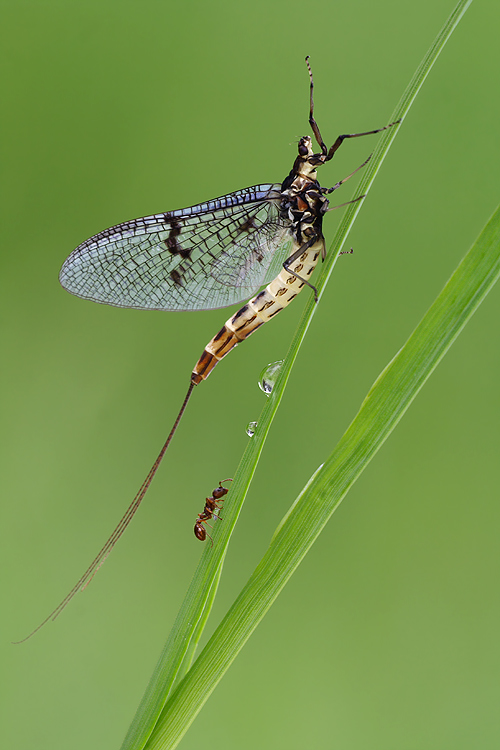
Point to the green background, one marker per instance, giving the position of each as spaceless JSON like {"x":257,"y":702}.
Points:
{"x":387,"y":636}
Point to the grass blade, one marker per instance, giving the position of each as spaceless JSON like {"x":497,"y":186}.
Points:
{"x":158,"y":724}
{"x":383,"y":407}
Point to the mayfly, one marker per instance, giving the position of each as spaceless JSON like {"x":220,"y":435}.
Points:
{"x":211,"y":510}
{"x":210,"y":256}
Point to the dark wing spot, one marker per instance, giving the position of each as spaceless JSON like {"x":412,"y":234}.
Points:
{"x":176,"y":277}
{"x":248,"y":225}
{"x":171,"y":242}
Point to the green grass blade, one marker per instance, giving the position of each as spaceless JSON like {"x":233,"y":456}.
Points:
{"x":385,"y":404}
{"x":177,"y":654}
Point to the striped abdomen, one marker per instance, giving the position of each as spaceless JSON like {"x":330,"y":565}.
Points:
{"x":258,"y":311}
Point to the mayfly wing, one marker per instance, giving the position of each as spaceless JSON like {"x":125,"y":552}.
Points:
{"x":208,"y":256}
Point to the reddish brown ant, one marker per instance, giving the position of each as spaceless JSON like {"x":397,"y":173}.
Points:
{"x":212,"y":504}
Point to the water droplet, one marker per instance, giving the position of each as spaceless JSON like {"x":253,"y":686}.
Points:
{"x":251,"y":428}
{"x":268,"y":377}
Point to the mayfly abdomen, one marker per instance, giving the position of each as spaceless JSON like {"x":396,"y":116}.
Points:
{"x":264,"y":306}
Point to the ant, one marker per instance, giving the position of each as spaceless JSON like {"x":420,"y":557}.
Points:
{"x":212,"y":504}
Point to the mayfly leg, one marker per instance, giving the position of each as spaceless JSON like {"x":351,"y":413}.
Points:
{"x":296,"y":255}
{"x":327,"y":191}
{"x":328,"y":153}
{"x":347,"y":203}
{"x":312,"y":121}
{"x":342,"y":138}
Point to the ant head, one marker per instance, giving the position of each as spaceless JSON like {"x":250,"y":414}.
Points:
{"x":219,"y":492}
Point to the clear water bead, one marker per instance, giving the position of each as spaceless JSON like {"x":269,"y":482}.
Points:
{"x":251,"y":428}
{"x":268,"y":377}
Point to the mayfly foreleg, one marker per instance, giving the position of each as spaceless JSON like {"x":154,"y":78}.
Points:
{"x":312,"y":121}
{"x":328,"y":153}
{"x":341,"y":138}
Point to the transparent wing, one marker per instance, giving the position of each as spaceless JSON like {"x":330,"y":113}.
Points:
{"x":204,"y":257}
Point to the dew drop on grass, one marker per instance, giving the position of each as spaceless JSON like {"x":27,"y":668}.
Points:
{"x":251,"y":428}
{"x":268,"y":377}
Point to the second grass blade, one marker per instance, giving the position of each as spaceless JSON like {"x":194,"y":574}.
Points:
{"x":383,"y":407}
{"x":197,"y":601}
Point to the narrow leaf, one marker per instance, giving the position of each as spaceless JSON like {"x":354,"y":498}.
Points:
{"x":177,"y":653}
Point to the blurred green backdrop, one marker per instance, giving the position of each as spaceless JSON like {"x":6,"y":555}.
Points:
{"x":387,"y":637}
